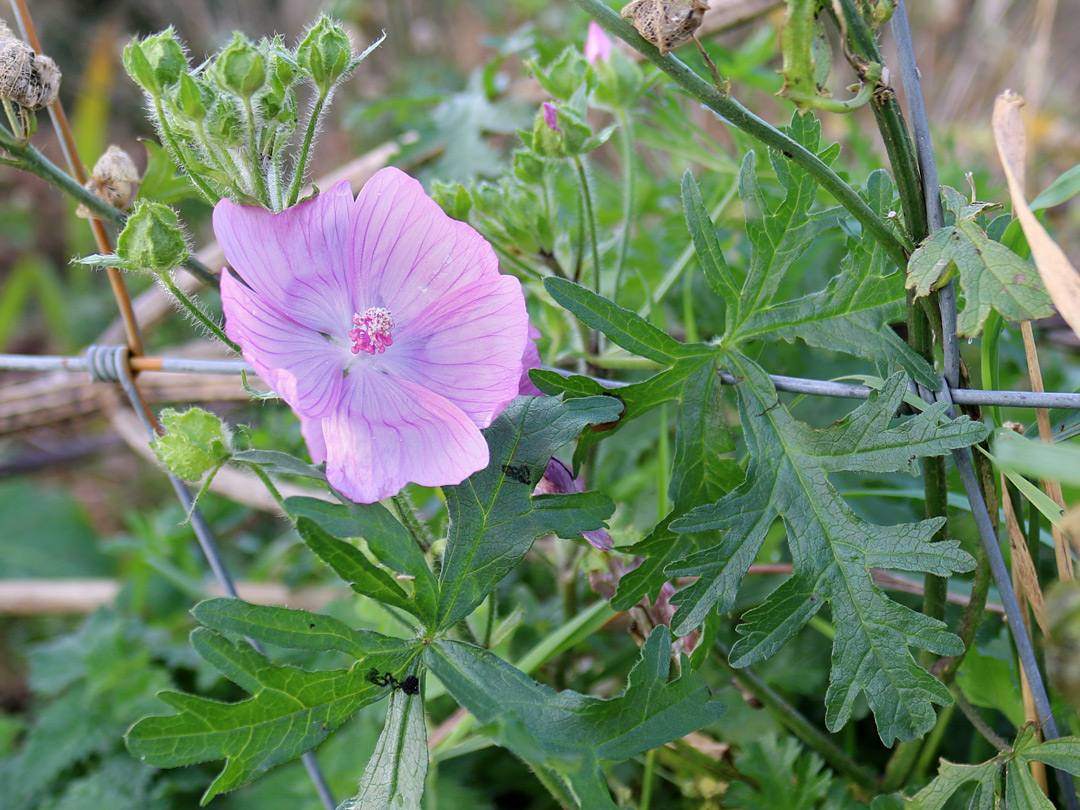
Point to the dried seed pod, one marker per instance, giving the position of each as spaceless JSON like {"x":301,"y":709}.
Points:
{"x":114,"y":179}
{"x":29,"y":79}
{"x":666,"y":24}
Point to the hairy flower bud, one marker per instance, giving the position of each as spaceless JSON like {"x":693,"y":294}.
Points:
{"x":155,"y":63}
{"x":192,"y":98}
{"x":29,"y":79}
{"x":224,"y":123}
{"x":114,"y":179}
{"x":152,"y":240}
{"x":325,"y":54}
{"x":240,"y":69}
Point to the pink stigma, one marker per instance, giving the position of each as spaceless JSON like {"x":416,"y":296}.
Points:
{"x":372,"y":332}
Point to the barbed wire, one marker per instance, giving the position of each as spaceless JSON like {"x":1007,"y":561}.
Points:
{"x":794,"y":385}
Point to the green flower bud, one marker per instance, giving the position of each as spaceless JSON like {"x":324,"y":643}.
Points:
{"x":224,"y":123}
{"x":155,"y":63}
{"x":194,"y":443}
{"x":453,"y":198}
{"x":620,"y":82}
{"x":565,"y":75}
{"x":192,"y":98}
{"x":152,"y":240}
{"x":240,"y":69}
{"x":325,"y":54}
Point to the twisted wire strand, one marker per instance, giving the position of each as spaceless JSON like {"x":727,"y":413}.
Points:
{"x":110,"y":364}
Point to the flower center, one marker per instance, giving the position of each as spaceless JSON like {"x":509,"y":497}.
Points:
{"x":373,"y":331}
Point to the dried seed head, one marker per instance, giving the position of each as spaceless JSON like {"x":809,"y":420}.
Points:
{"x":666,"y":24}
{"x":29,"y":79}
{"x":114,"y":179}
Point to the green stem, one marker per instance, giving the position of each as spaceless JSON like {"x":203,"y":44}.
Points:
{"x":256,"y":160}
{"x":798,"y":725}
{"x":973,"y":614}
{"x":976,"y":720}
{"x":586,"y":197}
{"x":196,"y":312}
{"x":739,"y":116}
{"x":647,"y":780}
{"x":933,"y":743}
{"x":174,"y":148}
{"x":406,"y":513}
{"x":263,"y":476}
{"x":626,"y":153}
{"x":893,"y":127}
{"x":901,"y":764}
{"x":13,"y":119}
{"x":988,"y":357}
{"x":554,"y":786}
{"x":301,"y":163}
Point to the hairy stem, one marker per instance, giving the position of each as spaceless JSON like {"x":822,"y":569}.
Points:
{"x":263,"y":476}
{"x":739,"y":116}
{"x":174,"y":150}
{"x":301,"y":164}
{"x":406,"y":513}
{"x":29,"y":159}
{"x":256,"y":159}
{"x":196,"y":312}
{"x":894,"y":130}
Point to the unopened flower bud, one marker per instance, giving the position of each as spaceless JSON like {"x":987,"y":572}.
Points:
{"x":225,"y":124}
{"x":155,"y":63}
{"x":152,"y":240}
{"x":240,"y":68}
{"x":31,"y":80}
{"x":192,"y":98}
{"x":325,"y":54}
{"x":114,"y":179}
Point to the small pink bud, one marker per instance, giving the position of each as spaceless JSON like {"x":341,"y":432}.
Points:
{"x":551,"y":116}
{"x":597,"y":45}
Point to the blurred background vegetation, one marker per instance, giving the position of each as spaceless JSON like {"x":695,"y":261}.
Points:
{"x":449,"y":86}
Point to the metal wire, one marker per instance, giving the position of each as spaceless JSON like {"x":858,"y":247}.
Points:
{"x":952,"y":393}
{"x":795,"y":385}
{"x":1025,"y":651}
{"x":110,"y":364}
{"x":924,"y":151}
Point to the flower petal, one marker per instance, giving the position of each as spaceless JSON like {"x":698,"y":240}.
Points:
{"x":466,"y":347}
{"x":300,"y":260}
{"x":312,"y":431}
{"x":408,"y":251}
{"x":388,"y":432}
{"x":531,"y":359}
{"x":301,"y":365}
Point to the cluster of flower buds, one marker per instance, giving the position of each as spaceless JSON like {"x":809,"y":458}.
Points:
{"x":229,"y":121}
{"x":28,"y":79}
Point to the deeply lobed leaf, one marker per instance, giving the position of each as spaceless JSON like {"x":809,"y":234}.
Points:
{"x":832,"y":549}
{"x":290,"y":711}
{"x":570,"y":733}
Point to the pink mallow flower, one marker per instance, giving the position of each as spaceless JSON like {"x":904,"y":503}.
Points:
{"x":383,"y":323}
{"x":597,"y":44}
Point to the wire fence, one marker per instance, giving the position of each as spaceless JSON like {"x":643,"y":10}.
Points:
{"x":120,"y":364}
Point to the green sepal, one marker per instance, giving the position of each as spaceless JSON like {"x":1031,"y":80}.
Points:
{"x":155,"y":63}
{"x":152,"y":241}
{"x":194,"y":443}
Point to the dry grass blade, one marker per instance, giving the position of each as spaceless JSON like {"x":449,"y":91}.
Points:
{"x":1060,"y":277}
